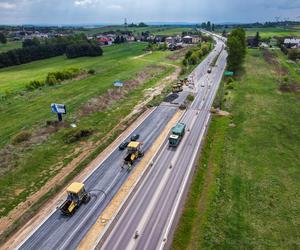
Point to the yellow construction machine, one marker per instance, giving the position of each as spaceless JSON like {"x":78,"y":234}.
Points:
{"x":76,"y":196}
{"x":133,"y":153}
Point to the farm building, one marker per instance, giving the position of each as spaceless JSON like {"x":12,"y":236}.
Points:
{"x":292,"y":43}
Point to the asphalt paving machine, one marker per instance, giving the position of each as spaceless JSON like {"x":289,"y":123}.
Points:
{"x":77,"y":195}
{"x":133,"y":153}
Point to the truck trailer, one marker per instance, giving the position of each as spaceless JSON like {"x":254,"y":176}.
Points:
{"x":177,"y":133}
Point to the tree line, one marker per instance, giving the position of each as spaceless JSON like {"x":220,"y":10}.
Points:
{"x":236,"y":44}
{"x":32,"y":50}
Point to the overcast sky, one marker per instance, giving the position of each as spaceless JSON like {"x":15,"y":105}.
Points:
{"x":114,"y":11}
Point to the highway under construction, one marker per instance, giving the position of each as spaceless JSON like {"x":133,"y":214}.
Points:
{"x":147,"y":217}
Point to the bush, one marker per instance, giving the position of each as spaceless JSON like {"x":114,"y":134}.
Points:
{"x":55,"y":77}
{"x":34,"y":85}
{"x":230,"y":80}
{"x":92,"y":71}
{"x":294,"y":54}
{"x":230,"y":87}
{"x":183,"y":71}
{"x":51,"y":79}
{"x":76,"y":134}
{"x":21,"y":137}
{"x":191,"y":98}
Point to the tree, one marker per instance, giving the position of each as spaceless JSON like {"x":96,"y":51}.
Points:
{"x":224,"y":34}
{"x":31,"y":42}
{"x":236,"y":44}
{"x":2,"y":38}
{"x":256,"y":40}
{"x":141,"y":24}
{"x":213,"y":27}
{"x":208,"y":26}
{"x":241,"y":35}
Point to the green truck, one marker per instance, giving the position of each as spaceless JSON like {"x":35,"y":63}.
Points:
{"x":177,"y":134}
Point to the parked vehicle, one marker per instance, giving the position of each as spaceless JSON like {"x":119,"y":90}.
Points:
{"x":123,"y":145}
{"x":135,"y":137}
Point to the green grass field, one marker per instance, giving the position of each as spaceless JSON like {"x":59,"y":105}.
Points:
{"x":10,"y":45}
{"x":33,"y":166}
{"x":245,"y":192}
{"x":271,"y":32}
{"x":156,"y":30}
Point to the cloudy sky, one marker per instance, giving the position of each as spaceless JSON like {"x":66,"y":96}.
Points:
{"x":114,"y":11}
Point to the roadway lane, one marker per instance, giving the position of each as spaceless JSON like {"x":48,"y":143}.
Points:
{"x":59,"y":232}
{"x":151,"y":210}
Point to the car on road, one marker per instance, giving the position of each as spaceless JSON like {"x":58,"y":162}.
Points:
{"x":135,"y":137}
{"x":123,"y":145}
{"x":202,"y":84}
{"x":209,"y":70}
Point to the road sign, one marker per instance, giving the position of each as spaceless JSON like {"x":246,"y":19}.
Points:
{"x":58,"y":108}
{"x":118,"y":84}
{"x":228,"y":73}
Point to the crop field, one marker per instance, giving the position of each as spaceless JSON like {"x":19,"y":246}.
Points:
{"x":35,"y":161}
{"x":245,"y":192}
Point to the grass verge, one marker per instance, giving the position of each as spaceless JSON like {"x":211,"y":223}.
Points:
{"x":251,"y":201}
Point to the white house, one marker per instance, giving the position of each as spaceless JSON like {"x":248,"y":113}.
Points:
{"x":292,"y":42}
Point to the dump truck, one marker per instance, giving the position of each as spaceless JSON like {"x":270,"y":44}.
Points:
{"x":76,"y":196}
{"x":177,"y":87}
{"x":177,"y":133}
{"x":133,"y":153}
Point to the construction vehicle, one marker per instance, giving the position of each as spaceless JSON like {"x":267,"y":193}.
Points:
{"x":177,"y":133}
{"x":133,"y":153}
{"x":177,"y":87}
{"x":76,"y":196}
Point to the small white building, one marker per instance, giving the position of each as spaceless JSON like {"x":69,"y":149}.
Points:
{"x":292,"y":42}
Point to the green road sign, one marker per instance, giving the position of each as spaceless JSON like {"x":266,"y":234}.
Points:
{"x":228,"y":73}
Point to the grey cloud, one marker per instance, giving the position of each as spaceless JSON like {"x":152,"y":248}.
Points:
{"x":114,"y":11}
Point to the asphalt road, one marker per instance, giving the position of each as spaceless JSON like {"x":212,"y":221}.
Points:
{"x":59,"y":232}
{"x":147,"y":221}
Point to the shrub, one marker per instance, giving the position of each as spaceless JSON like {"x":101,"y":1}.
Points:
{"x":21,"y":137}
{"x":230,"y":80}
{"x":76,"y":134}
{"x":51,"y":79}
{"x":190,"y":98}
{"x":294,"y":54}
{"x":92,"y":71}
{"x":34,"y":85}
